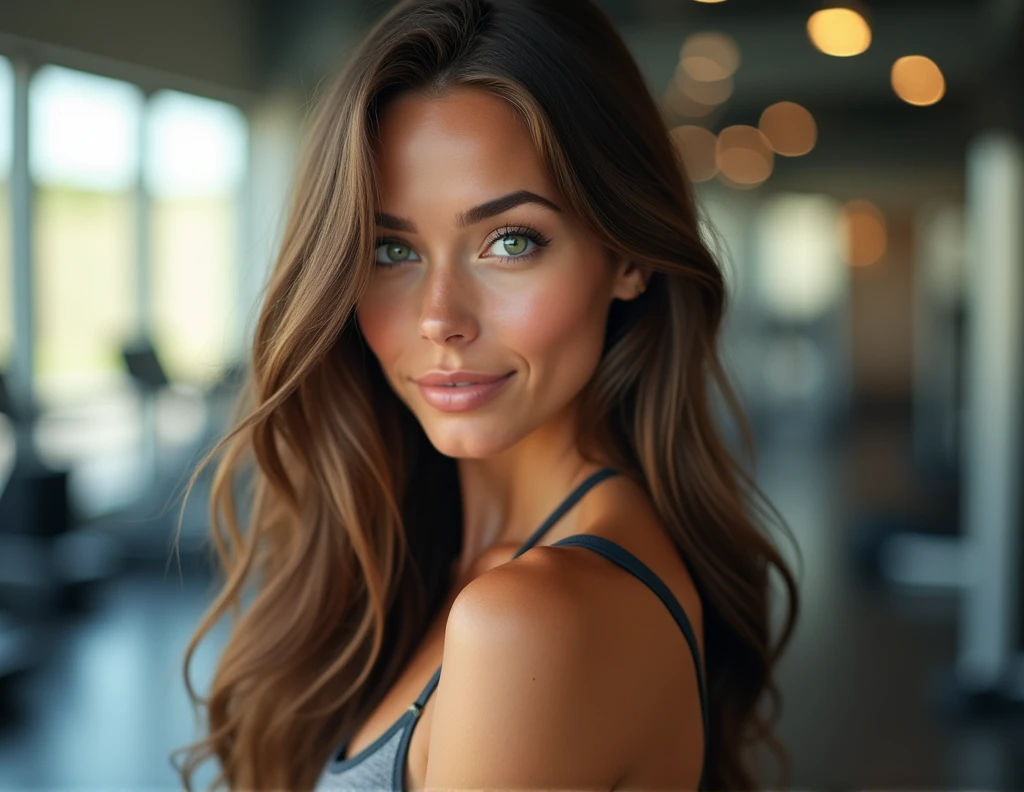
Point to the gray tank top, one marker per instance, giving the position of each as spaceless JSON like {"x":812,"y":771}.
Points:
{"x":381,"y":765}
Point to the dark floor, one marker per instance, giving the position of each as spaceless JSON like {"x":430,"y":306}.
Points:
{"x":863,"y":678}
{"x":859,"y":681}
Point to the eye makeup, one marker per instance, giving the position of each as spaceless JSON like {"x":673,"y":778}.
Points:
{"x":535,"y":237}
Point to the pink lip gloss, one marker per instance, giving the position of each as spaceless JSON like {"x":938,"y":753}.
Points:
{"x":460,"y":398}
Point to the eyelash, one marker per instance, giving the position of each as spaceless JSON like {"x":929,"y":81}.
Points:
{"x":535,"y":236}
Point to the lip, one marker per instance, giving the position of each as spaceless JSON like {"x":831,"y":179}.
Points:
{"x":458,"y":375}
{"x":461,"y":398}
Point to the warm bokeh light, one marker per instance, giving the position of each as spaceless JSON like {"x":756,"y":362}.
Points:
{"x":683,"y":105}
{"x":790,"y":128}
{"x":862,"y":233}
{"x":839,"y":31}
{"x":744,"y":156}
{"x":709,"y":1}
{"x":705,"y":93}
{"x":709,"y":57}
{"x":697,"y":146}
{"x":703,"y":76}
{"x":917,"y":80}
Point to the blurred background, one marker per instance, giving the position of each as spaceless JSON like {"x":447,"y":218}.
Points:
{"x":861,"y":169}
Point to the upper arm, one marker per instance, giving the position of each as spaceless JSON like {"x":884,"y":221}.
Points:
{"x":523,"y":698}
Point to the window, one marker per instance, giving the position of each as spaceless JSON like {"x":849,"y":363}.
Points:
{"x":83,"y":150}
{"x":801,"y":276}
{"x":194,"y":166}
{"x":6,"y":284}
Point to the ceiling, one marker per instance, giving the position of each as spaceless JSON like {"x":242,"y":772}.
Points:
{"x":978,"y":46}
{"x":249,"y":47}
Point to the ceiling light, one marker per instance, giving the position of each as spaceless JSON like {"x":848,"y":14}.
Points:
{"x":917,"y":80}
{"x":744,"y":156}
{"x":839,"y":31}
{"x":709,"y":56}
{"x":790,"y":128}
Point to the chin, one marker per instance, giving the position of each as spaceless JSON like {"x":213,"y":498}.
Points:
{"x":461,"y":439}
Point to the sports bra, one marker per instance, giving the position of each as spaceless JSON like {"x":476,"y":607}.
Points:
{"x":381,"y":765}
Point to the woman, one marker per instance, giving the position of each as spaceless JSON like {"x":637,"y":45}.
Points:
{"x":480,"y":412}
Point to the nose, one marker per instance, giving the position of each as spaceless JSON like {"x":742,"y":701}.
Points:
{"x":447,"y":315}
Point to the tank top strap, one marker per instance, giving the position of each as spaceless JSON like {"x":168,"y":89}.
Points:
{"x":570,"y":500}
{"x":421,"y":700}
{"x":620,"y":556}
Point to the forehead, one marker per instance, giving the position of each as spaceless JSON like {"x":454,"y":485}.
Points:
{"x":468,"y":145}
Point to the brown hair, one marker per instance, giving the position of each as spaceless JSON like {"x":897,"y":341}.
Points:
{"x":354,"y":518}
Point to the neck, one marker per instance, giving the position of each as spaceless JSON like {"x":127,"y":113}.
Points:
{"x":506,"y":497}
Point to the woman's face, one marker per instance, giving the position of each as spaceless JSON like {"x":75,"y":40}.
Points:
{"x":481,"y":270}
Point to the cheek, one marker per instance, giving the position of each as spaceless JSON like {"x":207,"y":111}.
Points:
{"x":378,"y":324}
{"x":558,"y":328}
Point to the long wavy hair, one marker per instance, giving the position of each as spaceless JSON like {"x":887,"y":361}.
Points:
{"x":352,"y":519}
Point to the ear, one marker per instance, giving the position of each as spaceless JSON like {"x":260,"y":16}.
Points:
{"x":629,"y":279}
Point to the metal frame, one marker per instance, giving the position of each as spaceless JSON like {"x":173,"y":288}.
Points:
{"x":989,"y":644}
{"x":984,"y":564}
{"x":22,"y":191}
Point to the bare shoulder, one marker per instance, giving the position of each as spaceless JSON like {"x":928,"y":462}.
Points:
{"x":522,"y":699}
{"x":623,"y":512}
{"x":555,"y":671}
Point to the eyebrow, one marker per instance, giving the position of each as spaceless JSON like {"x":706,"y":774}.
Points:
{"x":474,"y":215}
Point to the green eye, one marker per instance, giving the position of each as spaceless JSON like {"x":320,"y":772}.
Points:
{"x":515,"y":243}
{"x":393,"y":253}
{"x":398,"y":252}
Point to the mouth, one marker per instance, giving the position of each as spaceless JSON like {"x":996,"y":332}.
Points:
{"x":462,"y":395}
{"x":459,"y":378}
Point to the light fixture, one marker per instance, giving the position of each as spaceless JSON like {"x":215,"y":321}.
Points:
{"x":839,"y":31}
{"x":709,"y":57}
{"x":790,"y":128}
{"x":744,"y":156}
{"x":917,"y":80}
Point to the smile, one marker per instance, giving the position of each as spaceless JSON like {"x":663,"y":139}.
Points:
{"x":462,"y":396}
